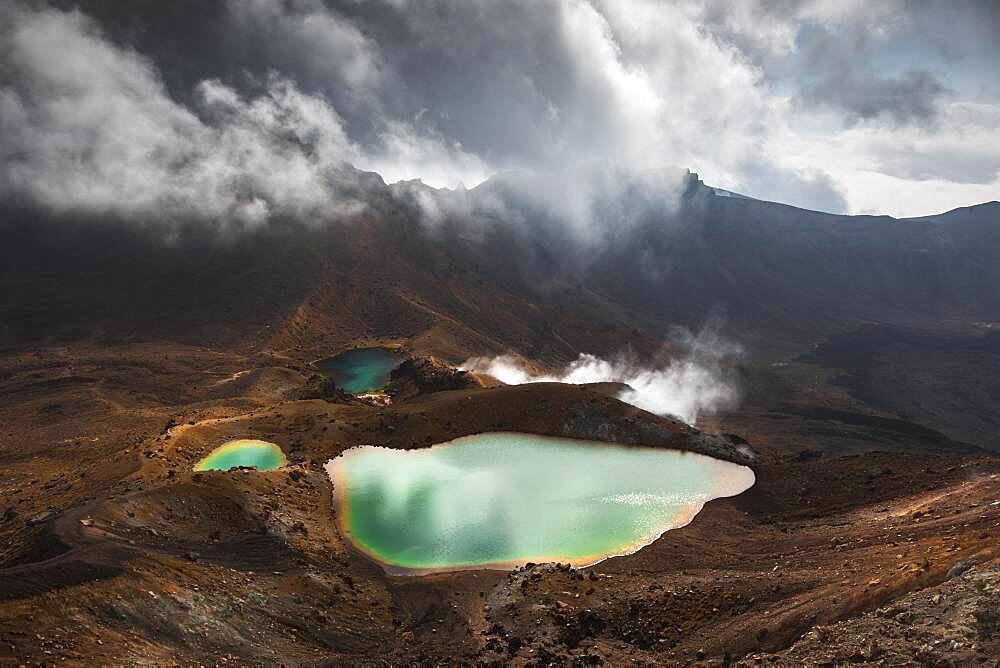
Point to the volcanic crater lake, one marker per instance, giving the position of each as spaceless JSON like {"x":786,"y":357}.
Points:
{"x":362,"y":369}
{"x":260,"y":455}
{"x":499,"y":500}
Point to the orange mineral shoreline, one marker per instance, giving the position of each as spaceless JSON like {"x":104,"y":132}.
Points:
{"x":725,"y":487}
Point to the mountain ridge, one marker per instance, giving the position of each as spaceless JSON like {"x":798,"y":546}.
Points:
{"x":620,"y":268}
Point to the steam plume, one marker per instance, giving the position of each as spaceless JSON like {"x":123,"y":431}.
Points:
{"x":700,"y":381}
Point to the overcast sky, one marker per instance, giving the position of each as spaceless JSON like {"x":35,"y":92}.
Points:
{"x":243,"y":109}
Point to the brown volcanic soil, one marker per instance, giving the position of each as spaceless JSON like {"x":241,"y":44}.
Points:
{"x":380,"y":278}
{"x":113,"y":552}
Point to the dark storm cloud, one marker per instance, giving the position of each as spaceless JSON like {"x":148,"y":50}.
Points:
{"x":887,"y":60}
{"x":496,"y":76}
{"x":909,"y":98}
{"x":837,"y":70}
{"x":443,"y":67}
{"x":452,"y":91}
{"x":517,"y":83}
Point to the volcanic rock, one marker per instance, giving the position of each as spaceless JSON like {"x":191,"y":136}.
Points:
{"x":321,"y":387}
{"x":424,"y":375}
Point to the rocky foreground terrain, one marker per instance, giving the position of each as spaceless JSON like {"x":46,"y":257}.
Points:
{"x":858,"y":544}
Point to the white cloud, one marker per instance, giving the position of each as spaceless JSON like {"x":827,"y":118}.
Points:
{"x":694,"y":99}
{"x":904,"y":171}
{"x":88,"y":127}
{"x":404,"y":153}
{"x":672,"y":94}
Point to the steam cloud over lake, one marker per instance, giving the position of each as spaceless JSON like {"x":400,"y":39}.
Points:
{"x":699,"y":381}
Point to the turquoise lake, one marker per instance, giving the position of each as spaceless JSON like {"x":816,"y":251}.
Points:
{"x":503,"y":499}
{"x":362,"y":369}
{"x":260,"y":455}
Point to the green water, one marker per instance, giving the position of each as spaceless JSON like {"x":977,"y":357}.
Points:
{"x":361,"y":370}
{"x":260,"y":455}
{"x":503,"y":499}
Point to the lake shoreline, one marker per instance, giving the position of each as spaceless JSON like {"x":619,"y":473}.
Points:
{"x":728,"y":479}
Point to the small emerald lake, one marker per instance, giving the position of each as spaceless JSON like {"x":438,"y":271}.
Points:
{"x":362,"y":369}
{"x":503,"y":499}
{"x":260,"y":455}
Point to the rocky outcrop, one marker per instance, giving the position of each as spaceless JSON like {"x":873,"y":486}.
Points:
{"x":321,"y":387}
{"x":637,"y":427}
{"x":424,"y":375}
